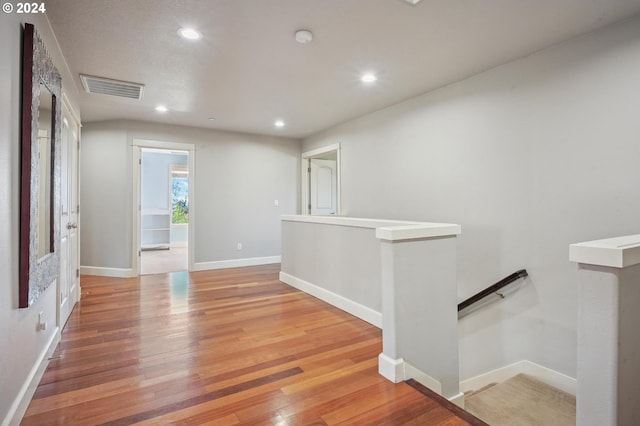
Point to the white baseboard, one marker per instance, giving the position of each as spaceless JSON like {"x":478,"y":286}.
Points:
{"x":391,"y":369}
{"x":235,"y":263}
{"x":363,"y":312}
{"x":410,"y":372}
{"x":397,"y":370}
{"x":495,"y":376}
{"x":21,"y":403}
{"x":551,"y":377}
{"x":544,"y":374}
{"x":201,"y":266}
{"x":458,"y":399}
{"x":108,"y":272}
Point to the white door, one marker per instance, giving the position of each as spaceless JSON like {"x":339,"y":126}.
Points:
{"x":68,"y":284}
{"x":323,"y":186}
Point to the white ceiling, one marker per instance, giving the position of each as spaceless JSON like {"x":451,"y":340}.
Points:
{"x":247,"y":70}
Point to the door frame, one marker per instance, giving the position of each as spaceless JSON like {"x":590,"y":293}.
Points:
{"x":136,"y":148}
{"x":74,"y":123}
{"x":305,"y":181}
{"x":177,"y":167}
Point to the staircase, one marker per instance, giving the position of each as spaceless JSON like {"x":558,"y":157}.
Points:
{"x":522,"y":401}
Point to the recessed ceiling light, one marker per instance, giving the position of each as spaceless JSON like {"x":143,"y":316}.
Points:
{"x":189,"y":33}
{"x":368,"y":77}
{"x":162,"y":108}
{"x":279,"y":123}
{"x":304,"y":36}
{"x":211,"y":119}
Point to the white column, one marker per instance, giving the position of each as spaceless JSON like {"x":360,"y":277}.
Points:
{"x":419,"y":306}
{"x":608,"y":376}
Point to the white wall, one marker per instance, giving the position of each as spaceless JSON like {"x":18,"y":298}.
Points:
{"x":321,"y":254}
{"x":528,"y":157}
{"x":154,"y":181}
{"x":105,"y":194}
{"x":21,"y":344}
{"x":237,"y":177}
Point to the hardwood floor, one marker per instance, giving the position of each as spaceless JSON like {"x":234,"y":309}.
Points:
{"x":224,"y":347}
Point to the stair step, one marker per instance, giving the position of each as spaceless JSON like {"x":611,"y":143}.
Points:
{"x":473,"y":392}
{"x":522,"y":401}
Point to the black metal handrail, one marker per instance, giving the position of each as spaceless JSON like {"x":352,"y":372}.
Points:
{"x":493,"y":289}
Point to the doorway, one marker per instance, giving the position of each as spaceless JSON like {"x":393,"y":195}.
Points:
{"x":164,"y":207}
{"x":321,"y":181}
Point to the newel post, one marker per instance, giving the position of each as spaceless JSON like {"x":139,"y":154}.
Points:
{"x":419,"y":306}
{"x":608,"y":375}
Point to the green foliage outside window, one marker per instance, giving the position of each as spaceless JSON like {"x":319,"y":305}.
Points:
{"x":180,"y":203}
{"x":180,"y":212}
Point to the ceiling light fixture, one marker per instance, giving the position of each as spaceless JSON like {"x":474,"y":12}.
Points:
{"x":189,"y":33}
{"x":304,"y":36}
{"x":368,"y":77}
{"x":413,"y":2}
{"x":211,"y":119}
{"x":162,"y":108}
{"x":279,"y":123}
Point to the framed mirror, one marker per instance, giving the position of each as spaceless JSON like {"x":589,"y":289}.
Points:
{"x":40,"y":170}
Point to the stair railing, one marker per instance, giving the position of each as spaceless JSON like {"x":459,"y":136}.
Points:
{"x":493,"y":289}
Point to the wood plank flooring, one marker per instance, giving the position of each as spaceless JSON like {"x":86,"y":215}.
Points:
{"x":224,"y":347}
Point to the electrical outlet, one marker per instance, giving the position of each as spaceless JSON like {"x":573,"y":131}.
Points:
{"x":239,"y":247}
{"x":276,"y":203}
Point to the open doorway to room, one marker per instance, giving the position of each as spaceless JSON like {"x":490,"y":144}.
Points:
{"x":164,"y":202}
{"x":321,"y":181}
{"x":164,"y":210}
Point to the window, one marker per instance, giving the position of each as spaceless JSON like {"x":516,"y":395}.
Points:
{"x":179,"y":194}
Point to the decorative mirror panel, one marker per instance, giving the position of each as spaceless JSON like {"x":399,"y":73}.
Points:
{"x":40,"y":173}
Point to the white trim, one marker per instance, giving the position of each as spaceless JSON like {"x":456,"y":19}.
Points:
{"x":354,"y":222}
{"x":424,"y":230}
{"x":363,"y":312}
{"x":136,"y":221}
{"x":398,"y":370}
{"x":544,"y":374}
{"x":495,"y":376}
{"x":305,"y":157}
{"x":136,"y":146}
{"x":551,"y":377}
{"x":172,"y":226}
{"x":72,"y":111}
{"x":178,"y":146}
{"x":388,"y":230}
{"x":391,"y":369}
{"x":235,"y":263}
{"x":411,"y":372}
{"x":619,"y":252}
{"x":21,"y":403}
{"x":108,"y":272}
{"x":74,"y":127}
{"x":323,"y":150}
{"x":191,"y":232}
{"x":458,"y":399}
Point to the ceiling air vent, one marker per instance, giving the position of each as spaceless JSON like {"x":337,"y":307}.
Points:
{"x":106,"y":86}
